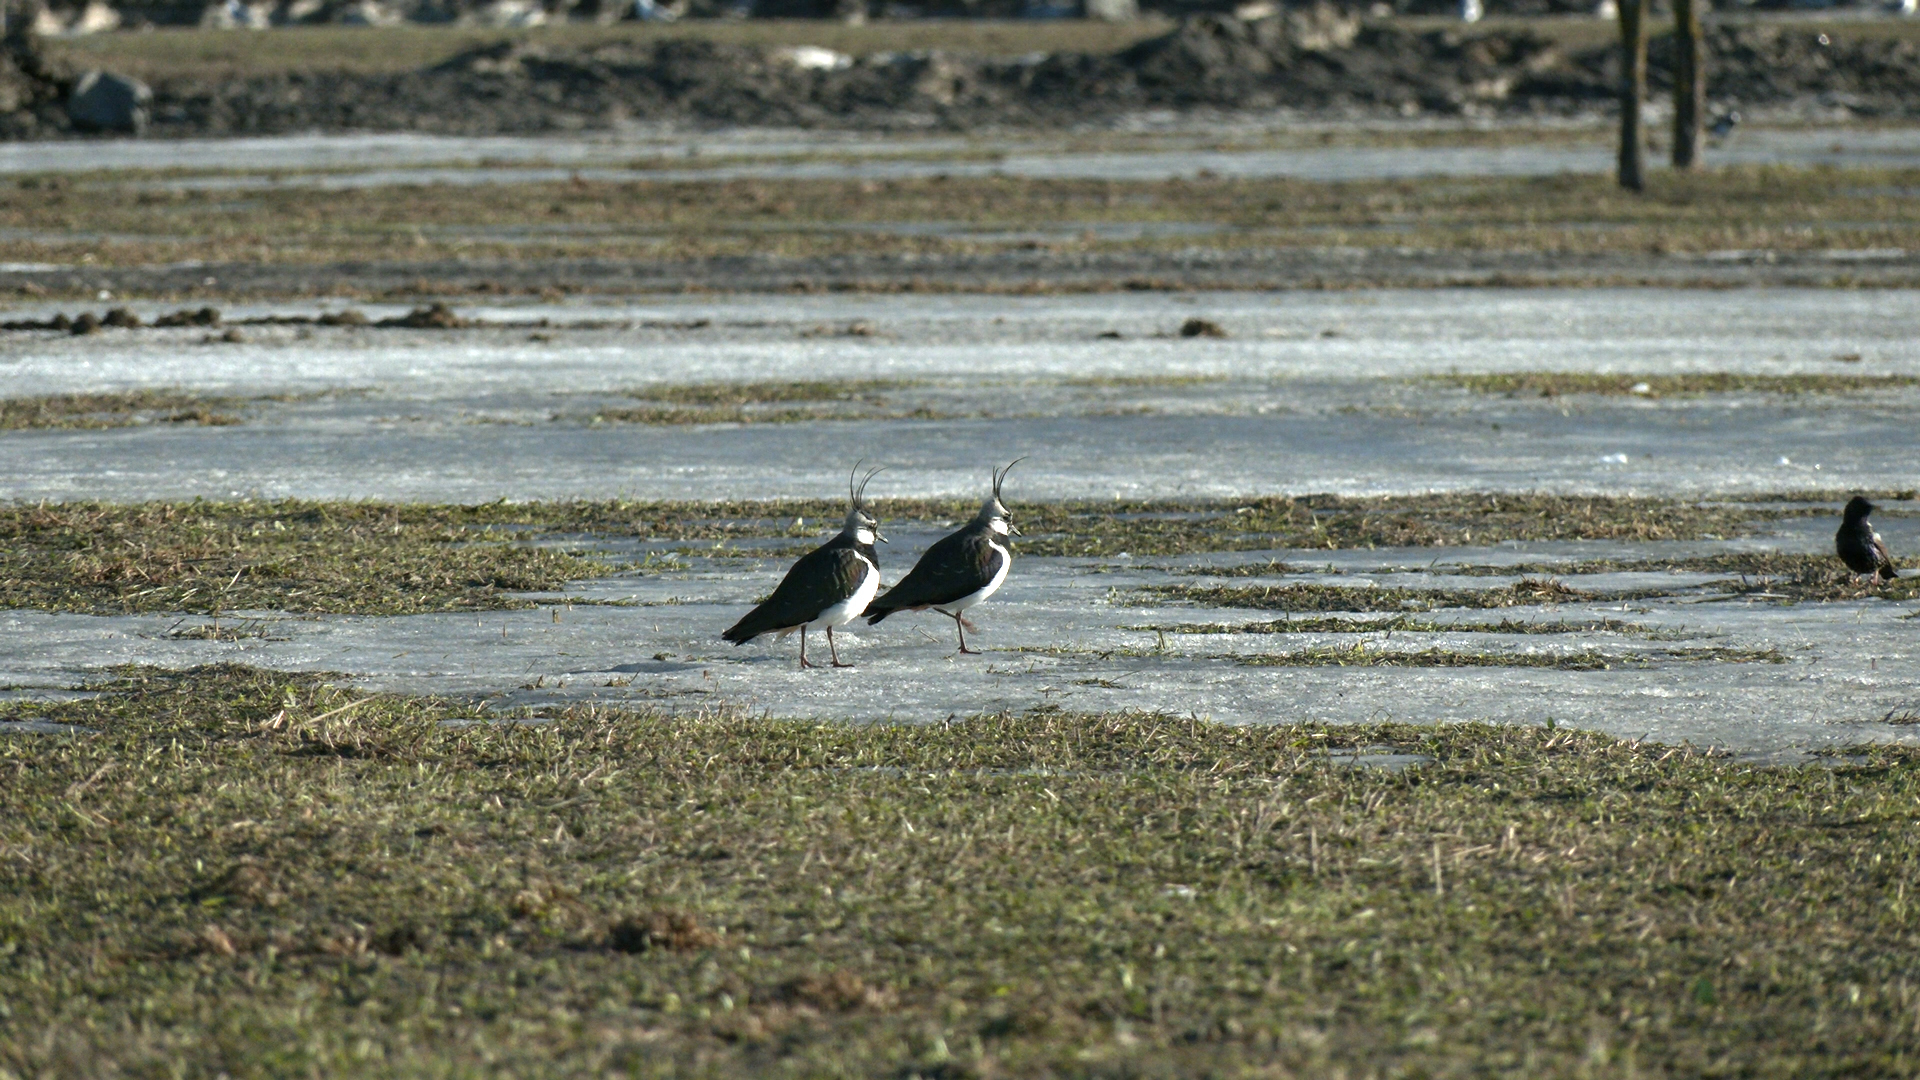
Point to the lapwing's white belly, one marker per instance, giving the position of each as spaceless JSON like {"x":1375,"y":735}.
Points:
{"x":991,"y":587}
{"x":850,"y":609}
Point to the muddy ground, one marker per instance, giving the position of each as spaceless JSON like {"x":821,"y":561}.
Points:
{"x":1315,"y":60}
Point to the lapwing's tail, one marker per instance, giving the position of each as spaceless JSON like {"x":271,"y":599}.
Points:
{"x":752,"y":626}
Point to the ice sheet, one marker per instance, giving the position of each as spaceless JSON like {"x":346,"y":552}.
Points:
{"x":467,"y":416}
{"x":1849,"y":666}
{"x":350,"y":161}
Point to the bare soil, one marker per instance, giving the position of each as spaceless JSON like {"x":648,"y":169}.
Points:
{"x":1317,"y":61}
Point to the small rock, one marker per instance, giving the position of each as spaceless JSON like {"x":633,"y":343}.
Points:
{"x":87,"y":323}
{"x":95,"y":18}
{"x":369,"y":13}
{"x":348,"y":317}
{"x":1198,"y":327}
{"x":235,"y":15}
{"x":233,"y":336}
{"x":1321,"y":27}
{"x":122,"y":318}
{"x":103,"y":101}
{"x":435,"y":316}
{"x":60,"y":322}
{"x":813,"y":58}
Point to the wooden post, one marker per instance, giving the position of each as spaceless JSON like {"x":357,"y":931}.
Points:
{"x":1689,"y":82}
{"x":1633,"y":90}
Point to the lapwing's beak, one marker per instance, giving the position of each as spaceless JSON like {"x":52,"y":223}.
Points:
{"x":1012,"y":528}
{"x":882,"y":539}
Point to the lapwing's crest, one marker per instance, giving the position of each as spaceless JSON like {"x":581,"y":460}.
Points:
{"x":1859,"y":546}
{"x":959,"y":570}
{"x":830,"y":586}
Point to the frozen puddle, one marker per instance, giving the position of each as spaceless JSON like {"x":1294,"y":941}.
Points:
{"x":1309,"y":392}
{"x":1762,"y":679}
{"x":360,"y":161}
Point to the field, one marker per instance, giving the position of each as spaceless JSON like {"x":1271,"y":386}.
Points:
{"x":120,"y":222}
{"x":1425,"y":654}
{"x":245,"y":873}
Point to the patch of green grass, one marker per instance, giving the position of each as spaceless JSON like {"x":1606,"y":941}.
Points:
{"x":1270,"y":568}
{"x":1824,"y":581}
{"x":363,"y":558}
{"x":125,"y":408}
{"x":772,"y":393}
{"x":1556,"y":383}
{"x":253,"y":874}
{"x":1775,"y":574}
{"x":1331,"y":522}
{"x":766,"y":403}
{"x":1142,"y":382}
{"x":1362,"y":654}
{"x":377,"y":558}
{"x":1343,"y":624}
{"x":1754,"y":563}
{"x":127,"y":219}
{"x":1364,"y":598}
{"x":1374,"y":653}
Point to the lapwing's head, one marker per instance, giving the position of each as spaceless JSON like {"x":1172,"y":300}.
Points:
{"x":861,"y":524}
{"x":994,"y":512}
{"x":1857,"y":508}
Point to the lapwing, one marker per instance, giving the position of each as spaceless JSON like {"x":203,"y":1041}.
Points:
{"x":960,"y":569}
{"x":830,"y":586}
{"x":1859,"y":546}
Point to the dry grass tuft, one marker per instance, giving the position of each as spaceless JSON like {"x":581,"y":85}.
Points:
{"x":1368,"y":598}
{"x":837,"y":991}
{"x":1557,"y":383}
{"x":119,"y":409}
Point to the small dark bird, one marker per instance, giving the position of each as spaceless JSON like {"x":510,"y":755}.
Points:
{"x":1724,"y":124}
{"x":830,"y":586}
{"x":960,"y":569}
{"x":1859,"y":546}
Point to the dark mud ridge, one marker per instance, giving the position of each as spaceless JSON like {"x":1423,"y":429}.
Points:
{"x":1013,"y":272}
{"x":1313,"y":59}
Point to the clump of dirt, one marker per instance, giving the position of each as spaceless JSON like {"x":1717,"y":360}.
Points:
{"x":662,"y":929}
{"x":1317,"y":58}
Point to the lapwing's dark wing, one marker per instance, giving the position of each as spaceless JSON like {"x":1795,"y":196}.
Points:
{"x":1883,"y":562}
{"x":822,"y":578}
{"x":955,"y":567}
